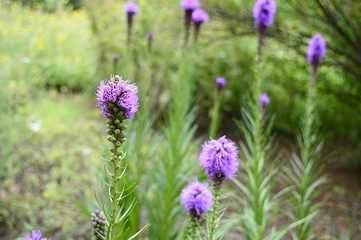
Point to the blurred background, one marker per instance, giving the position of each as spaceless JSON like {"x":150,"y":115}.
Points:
{"x":53,"y":53}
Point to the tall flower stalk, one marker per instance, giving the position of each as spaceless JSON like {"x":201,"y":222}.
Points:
{"x":219,"y":158}
{"x":188,"y":6}
{"x":131,"y":8}
{"x":118,"y":100}
{"x":258,"y":203}
{"x":197,"y":199}
{"x":305,"y":176}
{"x":199,"y":17}
{"x":214,"y":114}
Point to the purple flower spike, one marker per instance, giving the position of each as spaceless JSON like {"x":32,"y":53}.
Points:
{"x":263,"y":12}
{"x":316,"y":50}
{"x":131,"y":7}
{"x":264,"y":100}
{"x":219,"y":158}
{"x":190,"y":4}
{"x":99,"y":224}
{"x":197,"y":198}
{"x":116,"y":92}
{"x":200,"y":16}
{"x":36,"y":235}
{"x":220,"y":83}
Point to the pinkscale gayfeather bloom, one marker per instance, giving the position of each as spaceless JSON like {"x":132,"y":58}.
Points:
{"x":219,"y":158}
{"x":197,"y":198}
{"x":116,"y":93}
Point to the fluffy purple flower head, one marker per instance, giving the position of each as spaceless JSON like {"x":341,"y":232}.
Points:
{"x":316,"y":49}
{"x":219,"y":158}
{"x":131,"y":7}
{"x":263,"y":12}
{"x":197,"y":198}
{"x":119,"y":93}
{"x":264,"y":100}
{"x":36,"y":235}
{"x":190,"y":4}
{"x":220,"y":83}
{"x":200,"y":16}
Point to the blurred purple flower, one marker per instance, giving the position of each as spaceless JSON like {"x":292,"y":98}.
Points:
{"x":197,"y":198}
{"x":263,"y":12}
{"x":264,"y":100}
{"x":190,"y":4}
{"x":36,"y":235}
{"x":316,"y":50}
{"x":116,"y":58}
{"x":131,"y":7}
{"x":200,"y":16}
{"x":220,"y":83}
{"x":219,"y":158}
{"x":99,"y":224}
{"x":150,"y":35}
{"x":119,"y":93}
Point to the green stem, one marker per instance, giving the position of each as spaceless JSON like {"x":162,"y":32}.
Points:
{"x":215,"y":115}
{"x":212,"y":225}
{"x":192,"y":228}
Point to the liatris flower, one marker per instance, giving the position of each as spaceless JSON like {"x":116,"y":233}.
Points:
{"x":263,"y":13}
{"x":219,"y":159}
{"x":99,"y":224}
{"x":118,"y":100}
{"x":117,"y":97}
{"x":199,"y":17}
{"x":316,"y":50}
{"x":188,"y":6}
{"x":150,"y":40}
{"x":264,"y":100}
{"x":197,"y":198}
{"x":220,"y":83}
{"x":131,"y":8}
{"x":36,"y":235}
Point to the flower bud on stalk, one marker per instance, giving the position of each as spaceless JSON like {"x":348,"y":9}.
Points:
{"x":150,"y":40}
{"x":131,"y":8}
{"x":316,"y":51}
{"x":263,"y":13}
{"x":118,"y":100}
{"x":264,"y":100}
{"x":188,"y":6}
{"x":199,"y":17}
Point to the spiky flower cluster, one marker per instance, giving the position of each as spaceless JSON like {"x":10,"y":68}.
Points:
{"x":219,"y":158}
{"x":117,"y":97}
{"x":316,"y":50}
{"x":35,"y":235}
{"x":264,"y":100}
{"x":220,"y":83}
{"x":131,"y":7}
{"x":190,"y":4}
{"x":99,"y":225}
{"x":200,"y":16}
{"x":263,"y":12}
{"x":197,"y":198}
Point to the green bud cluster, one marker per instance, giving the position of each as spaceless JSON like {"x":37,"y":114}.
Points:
{"x":116,"y":126}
